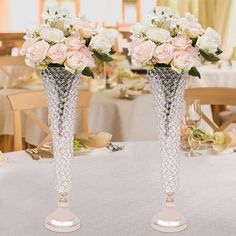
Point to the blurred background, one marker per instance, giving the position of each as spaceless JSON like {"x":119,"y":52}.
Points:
{"x":16,"y":15}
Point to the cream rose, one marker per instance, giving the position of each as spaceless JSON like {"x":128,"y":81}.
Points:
{"x":37,"y":52}
{"x":101,"y":44}
{"x":164,"y":53}
{"x":108,"y":34}
{"x":210,"y":41}
{"x":158,"y":34}
{"x":182,"y":61}
{"x":180,"y":43}
{"x":74,"y":43}
{"x":193,"y":29}
{"x":57,"y":53}
{"x":75,"y":61}
{"x":137,"y":29}
{"x":52,"y":35}
{"x":142,"y":51}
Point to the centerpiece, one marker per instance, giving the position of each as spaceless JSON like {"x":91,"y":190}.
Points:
{"x":63,"y":48}
{"x":171,"y":47}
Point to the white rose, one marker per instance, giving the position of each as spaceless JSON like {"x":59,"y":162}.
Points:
{"x":52,"y":35}
{"x":137,"y":29}
{"x":101,"y":44}
{"x":54,"y":13}
{"x":158,"y":34}
{"x":210,"y":41}
{"x":215,"y":36}
{"x":108,"y":34}
{"x":189,"y":17}
{"x":163,"y":13}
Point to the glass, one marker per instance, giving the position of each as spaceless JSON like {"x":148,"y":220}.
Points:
{"x":192,"y":120}
{"x":61,"y":88}
{"x":168,"y":91}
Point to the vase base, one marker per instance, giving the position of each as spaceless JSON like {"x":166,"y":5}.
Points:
{"x":169,"y":220}
{"x":62,"y":220}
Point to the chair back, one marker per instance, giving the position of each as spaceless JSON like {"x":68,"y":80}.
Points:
{"x":27,"y":101}
{"x":213,"y":96}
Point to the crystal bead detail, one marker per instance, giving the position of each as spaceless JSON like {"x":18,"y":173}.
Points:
{"x":61,"y":89}
{"x":168,"y":91}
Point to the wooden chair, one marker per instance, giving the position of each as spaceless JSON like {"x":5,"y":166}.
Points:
{"x":28,"y":101}
{"x":213,"y":96}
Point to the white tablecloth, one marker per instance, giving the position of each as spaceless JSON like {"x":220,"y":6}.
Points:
{"x":116,"y":194}
{"x":211,"y":76}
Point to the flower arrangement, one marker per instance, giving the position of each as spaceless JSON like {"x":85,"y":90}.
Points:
{"x":219,"y":140}
{"x":73,"y":43}
{"x":168,"y":40}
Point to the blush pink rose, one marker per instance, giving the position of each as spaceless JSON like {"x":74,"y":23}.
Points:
{"x":164,"y":53}
{"x":76,"y":61}
{"x":182,"y":61}
{"x":26,"y":44}
{"x":74,"y":43}
{"x":37,"y":52}
{"x":180,"y":43}
{"x":57,"y":53}
{"x":85,"y":50}
{"x":193,"y":29}
{"x":85,"y":28}
{"x":141,"y":51}
{"x":194,"y":53}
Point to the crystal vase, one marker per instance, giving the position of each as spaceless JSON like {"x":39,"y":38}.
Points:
{"x":61,"y":90}
{"x":168,"y":91}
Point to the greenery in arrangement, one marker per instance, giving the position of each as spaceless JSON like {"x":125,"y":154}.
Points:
{"x":64,"y":41}
{"x":167,"y":40}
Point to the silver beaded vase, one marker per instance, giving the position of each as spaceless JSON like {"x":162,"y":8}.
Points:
{"x":168,"y":91}
{"x":61,"y":88}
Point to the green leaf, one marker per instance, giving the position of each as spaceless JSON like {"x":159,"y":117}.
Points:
{"x":209,"y":56}
{"x":88,"y":72}
{"x":112,"y":51}
{"x":219,"y":51}
{"x":194,"y":41}
{"x":194,"y":72}
{"x":102,"y":56}
{"x":87,"y":42}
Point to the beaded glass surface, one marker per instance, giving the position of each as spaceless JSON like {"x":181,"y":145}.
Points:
{"x":61,"y":89}
{"x":168,"y":91}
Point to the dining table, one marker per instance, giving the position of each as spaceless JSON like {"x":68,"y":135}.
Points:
{"x":126,"y":120}
{"x":117,"y":193}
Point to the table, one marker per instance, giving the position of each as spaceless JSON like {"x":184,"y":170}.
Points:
{"x":116,"y":194}
{"x":125,"y":120}
{"x":13,"y":72}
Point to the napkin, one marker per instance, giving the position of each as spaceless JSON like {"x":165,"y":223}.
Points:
{"x":225,"y":139}
{"x":95,"y":140}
